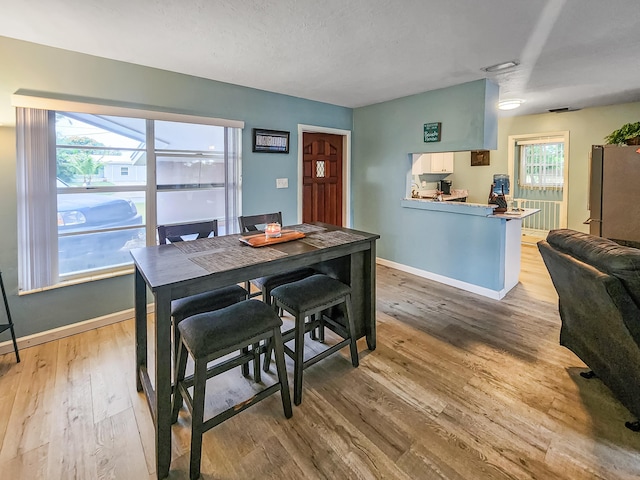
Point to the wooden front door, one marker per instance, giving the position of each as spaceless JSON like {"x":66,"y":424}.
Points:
{"x":322,"y":178}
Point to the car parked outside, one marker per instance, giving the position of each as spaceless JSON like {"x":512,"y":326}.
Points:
{"x":82,"y":218}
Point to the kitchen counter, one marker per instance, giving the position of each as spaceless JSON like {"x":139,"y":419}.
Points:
{"x":455,"y":195}
{"x":466,"y":245}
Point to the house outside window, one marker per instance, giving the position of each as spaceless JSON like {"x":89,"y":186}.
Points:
{"x":85,"y":196}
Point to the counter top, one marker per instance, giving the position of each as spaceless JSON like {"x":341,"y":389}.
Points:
{"x":462,"y":208}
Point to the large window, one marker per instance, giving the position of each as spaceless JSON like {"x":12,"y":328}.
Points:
{"x":91,"y":187}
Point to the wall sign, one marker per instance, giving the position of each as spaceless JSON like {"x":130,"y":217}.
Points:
{"x":432,"y":132}
{"x":270,"y":141}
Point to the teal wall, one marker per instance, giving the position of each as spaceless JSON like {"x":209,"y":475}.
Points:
{"x":34,"y":67}
{"x":383,"y":137}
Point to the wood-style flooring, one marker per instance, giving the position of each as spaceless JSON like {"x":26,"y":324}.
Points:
{"x":460,"y":387}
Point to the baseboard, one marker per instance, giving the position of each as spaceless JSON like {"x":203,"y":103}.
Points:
{"x":68,"y":330}
{"x":469,"y":287}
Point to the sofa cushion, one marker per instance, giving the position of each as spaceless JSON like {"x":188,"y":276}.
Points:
{"x":601,"y":253}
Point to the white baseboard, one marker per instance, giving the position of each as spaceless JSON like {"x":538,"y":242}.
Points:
{"x":469,"y":287}
{"x":68,"y":330}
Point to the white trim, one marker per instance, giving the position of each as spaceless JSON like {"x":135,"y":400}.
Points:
{"x":68,"y":330}
{"x":346,"y":168}
{"x":511,"y":146}
{"x":469,"y":287}
{"x":97,"y":106}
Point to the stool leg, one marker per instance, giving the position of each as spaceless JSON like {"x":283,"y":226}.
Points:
{"x":256,"y":362}
{"x":352,"y":332}
{"x":245,"y":366}
{"x":298,"y":363}
{"x":180,"y":366}
{"x":269,"y":343}
{"x":282,"y":372}
{"x":200,"y":379}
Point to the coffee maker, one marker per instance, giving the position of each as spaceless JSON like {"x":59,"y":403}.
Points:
{"x":445,"y":187}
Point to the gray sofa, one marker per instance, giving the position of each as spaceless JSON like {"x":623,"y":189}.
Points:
{"x":598,"y":285}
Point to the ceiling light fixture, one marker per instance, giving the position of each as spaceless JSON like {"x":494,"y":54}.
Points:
{"x":510,"y":104}
{"x":498,"y":67}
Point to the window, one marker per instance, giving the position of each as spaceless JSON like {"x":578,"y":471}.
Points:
{"x":541,"y":163}
{"x":84,"y":193}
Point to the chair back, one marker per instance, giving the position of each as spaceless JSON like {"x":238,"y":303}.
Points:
{"x":250,"y":223}
{"x":177,"y":232}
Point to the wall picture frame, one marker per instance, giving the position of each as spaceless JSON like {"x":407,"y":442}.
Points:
{"x":270,"y":141}
{"x":480,"y":158}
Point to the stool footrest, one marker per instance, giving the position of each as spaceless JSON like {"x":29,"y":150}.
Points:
{"x":321,"y":355}
{"x":222,"y":367}
{"x":232,"y":411}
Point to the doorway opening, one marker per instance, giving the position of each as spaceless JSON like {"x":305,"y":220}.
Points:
{"x":539,"y":165}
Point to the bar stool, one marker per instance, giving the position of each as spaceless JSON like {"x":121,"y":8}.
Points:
{"x":212,"y":335}
{"x":311,"y":297}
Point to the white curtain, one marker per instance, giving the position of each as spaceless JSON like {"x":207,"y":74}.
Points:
{"x":233,"y":164}
{"x":37,"y":205}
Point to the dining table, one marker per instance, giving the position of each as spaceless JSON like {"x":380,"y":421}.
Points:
{"x":182,"y":269}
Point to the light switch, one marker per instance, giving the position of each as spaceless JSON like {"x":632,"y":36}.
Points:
{"x":282,"y":183}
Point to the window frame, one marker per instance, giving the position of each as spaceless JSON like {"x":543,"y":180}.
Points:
{"x":52,"y":105}
{"x":523,"y":146}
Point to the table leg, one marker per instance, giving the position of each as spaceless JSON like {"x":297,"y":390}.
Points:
{"x":140,"y":295}
{"x":370,"y":292}
{"x":163,"y":383}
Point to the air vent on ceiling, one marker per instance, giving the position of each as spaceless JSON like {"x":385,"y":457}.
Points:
{"x":563,"y":109}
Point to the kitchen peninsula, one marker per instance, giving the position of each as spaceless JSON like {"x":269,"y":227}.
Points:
{"x":467,"y":245}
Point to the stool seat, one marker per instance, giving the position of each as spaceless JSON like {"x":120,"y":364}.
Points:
{"x":210,"y":336}
{"x":311,"y":292}
{"x":218,"y":330}
{"x":272,"y":281}
{"x":207,"y":301}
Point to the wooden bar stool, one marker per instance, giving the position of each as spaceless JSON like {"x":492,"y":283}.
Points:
{"x":209,"y":336}
{"x":311,"y":297}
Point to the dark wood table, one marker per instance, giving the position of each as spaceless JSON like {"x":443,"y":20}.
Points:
{"x":178,"y":270}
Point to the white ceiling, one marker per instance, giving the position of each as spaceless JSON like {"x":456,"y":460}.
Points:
{"x":572,"y":53}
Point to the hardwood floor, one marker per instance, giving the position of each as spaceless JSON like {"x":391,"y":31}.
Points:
{"x":460,"y":387}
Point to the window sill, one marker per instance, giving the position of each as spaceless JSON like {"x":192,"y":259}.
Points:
{"x":80,"y":280}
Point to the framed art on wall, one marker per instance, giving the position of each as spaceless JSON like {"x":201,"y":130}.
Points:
{"x":270,"y":141}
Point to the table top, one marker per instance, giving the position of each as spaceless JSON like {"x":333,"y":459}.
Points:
{"x":166,"y":265}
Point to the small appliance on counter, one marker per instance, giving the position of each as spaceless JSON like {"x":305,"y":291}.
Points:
{"x":445,"y":187}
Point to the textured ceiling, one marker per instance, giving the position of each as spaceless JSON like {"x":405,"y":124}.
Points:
{"x":572,"y":53}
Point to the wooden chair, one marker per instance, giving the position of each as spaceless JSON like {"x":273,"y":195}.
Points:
{"x":312,"y":297}
{"x":202,"y":302}
{"x":251,"y":223}
{"x":209,"y":336}
{"x":9,"y":324}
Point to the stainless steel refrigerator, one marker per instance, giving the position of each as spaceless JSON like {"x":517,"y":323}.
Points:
{"x":614,"y":194}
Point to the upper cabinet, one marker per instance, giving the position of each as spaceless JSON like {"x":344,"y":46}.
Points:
{"x":440,"y":162}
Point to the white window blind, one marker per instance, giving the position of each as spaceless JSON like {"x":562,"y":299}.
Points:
{"x":541,"y":163}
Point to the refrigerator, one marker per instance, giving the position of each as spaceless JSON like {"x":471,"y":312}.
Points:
{"x":614,"y":192}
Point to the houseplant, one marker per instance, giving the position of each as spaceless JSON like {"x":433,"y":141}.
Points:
{"x":628,"y":134}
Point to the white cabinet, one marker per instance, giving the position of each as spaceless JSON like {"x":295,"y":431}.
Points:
{"x":441,"y":162}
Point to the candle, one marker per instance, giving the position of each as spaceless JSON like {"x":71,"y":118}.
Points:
{"x":272,"y":230}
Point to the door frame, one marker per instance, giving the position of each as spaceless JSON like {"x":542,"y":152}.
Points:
{"x":513,"y":139}
{"x":346,"y":167}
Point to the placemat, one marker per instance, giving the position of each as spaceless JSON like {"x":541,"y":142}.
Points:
{"x":331,"y":239}
{"x":234,"y":257}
